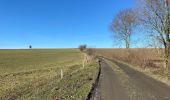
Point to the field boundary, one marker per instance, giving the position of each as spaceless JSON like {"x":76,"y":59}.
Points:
{"x":94,"y":85}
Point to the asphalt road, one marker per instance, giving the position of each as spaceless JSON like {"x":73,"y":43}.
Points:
{"x":110,"y":86}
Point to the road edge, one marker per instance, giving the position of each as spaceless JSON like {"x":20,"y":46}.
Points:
{"x":95,"y":84}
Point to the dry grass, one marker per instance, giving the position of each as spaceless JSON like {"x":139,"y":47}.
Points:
{"x":35,"y":75}
{"x":148,"y":61}
{"x":141,"y":57}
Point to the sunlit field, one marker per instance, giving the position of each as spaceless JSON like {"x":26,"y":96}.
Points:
{"x":35,"y":74}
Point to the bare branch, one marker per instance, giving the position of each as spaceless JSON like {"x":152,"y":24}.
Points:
{"x":123,"y":25}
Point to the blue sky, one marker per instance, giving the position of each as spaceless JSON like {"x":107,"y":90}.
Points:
{"x":58,"y":23}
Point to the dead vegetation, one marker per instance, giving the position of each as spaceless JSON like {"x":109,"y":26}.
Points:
{"x":147,"y":60}
{"x":35,"y":75}
{"x":142,"y":57}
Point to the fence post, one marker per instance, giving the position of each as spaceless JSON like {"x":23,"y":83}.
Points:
{"x":61,"y":74}
{"x":83,"y":64}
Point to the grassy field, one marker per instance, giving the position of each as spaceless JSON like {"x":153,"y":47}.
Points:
{"x":35,"y":75}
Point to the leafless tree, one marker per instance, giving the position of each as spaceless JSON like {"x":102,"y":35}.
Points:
{"x":82,"y":47}
{"x":123,"y":26}
{"x":155,"y":16}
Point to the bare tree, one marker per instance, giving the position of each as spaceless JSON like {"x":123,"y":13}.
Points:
{"x":123,"y":26}
{"x":82,"y":47}
{"x":155,"y":16}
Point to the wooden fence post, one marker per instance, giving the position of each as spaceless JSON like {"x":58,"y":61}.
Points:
{"x":61,"y":74}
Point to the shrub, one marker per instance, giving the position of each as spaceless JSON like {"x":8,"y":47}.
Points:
{"x":82,"y":47}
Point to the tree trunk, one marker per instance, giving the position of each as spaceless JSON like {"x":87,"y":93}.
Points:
{"x":127,"y":44}
{"x":166,"y":58}
{"x":167,"y":48}
{"x":167,"y":31}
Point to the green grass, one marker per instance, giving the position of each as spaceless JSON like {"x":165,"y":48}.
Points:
{"x":35,"y":75}
{"x":24,"y":60}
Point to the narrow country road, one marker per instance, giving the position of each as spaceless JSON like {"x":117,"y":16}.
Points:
{"x":139,"y":86}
